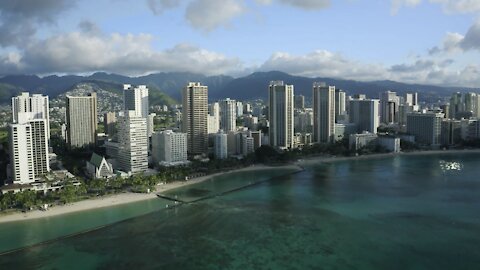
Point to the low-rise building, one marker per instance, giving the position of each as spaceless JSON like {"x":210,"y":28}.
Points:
{"x":99,"y":168}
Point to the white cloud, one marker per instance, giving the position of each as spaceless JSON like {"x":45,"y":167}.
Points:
{"x":398,"y":4}
{"x":304,"y":4}
{"x":448,"y":6}
{"x":80,"y":52}
{"x":458,"y":6}
{"x":207,"y":15}
{"x":159,"y":6}
{"x":323,"y":63}
{"x":19,"y":19}
{"x":455,"y":42}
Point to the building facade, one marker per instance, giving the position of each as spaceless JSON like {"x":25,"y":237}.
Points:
{"x":364,"y":114}
{"x":228,"y":115}
{"x":195,"y":117}
{"x":133,"y":143}
{"x":169,"y":147}
{"x":323,"y":112}
{"x":426,"y":127}
{"x":280,"y":100}
{"x":81,"y":121}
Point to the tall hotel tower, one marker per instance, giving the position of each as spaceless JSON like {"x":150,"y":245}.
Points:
{"x":195,"y":117}
{"x":323,"y":112}
{"x":136,"y":99}
{"x":35,"y":105}
{"x":280,"y":100}
{"x":28,"y":136}
{"x":81,"y":120}
{"x":228,"y":115}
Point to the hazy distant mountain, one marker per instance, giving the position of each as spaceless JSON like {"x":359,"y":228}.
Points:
{"x":249,"y":87}
{"x":255,"y":86}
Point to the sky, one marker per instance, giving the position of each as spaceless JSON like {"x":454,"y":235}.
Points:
{"x":412,"y":41}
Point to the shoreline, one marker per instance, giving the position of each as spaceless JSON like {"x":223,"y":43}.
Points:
{"x":311,"y":160}
{"x":120,"y":198}
{"x":129,"y":197}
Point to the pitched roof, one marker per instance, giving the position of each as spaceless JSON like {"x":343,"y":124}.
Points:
{"x":96,"y":160}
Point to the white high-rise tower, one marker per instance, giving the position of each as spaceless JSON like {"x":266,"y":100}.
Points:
{"x":228,"y":115}
{"x":133,"y":143}
{"x":35,"y":106}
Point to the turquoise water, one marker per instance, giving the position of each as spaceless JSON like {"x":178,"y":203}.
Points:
{"x":405,"y":212}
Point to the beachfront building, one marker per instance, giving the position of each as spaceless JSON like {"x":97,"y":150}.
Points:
{"x":195,"y":117}
{"x":364,"y":114}
{"x":99,"y":168}
{"x":169,"y":148}
{"x":28,"y":142}
{"x":280,"y":100}
{"x":81,"y":120}
{"x":34,"y":106}
{"x":357,"y":141}
{"x":132,"y":154}
{"x":323,"y":112}
{"x":425,"y":126}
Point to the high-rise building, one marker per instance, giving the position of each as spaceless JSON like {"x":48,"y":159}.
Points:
{"x":299,"y":102}
{"x":389,"y":105}
{"x":456,"y":105}
{"x":109,"y":122}
{"x":228,"y":115}
{"x":323,"y":112}
{"x":21,"y":153}
{"x":364,"y":114}
{"x":169,"y":146}
{"x":426,"y":127}
{"x":220,"y":145}
{"x":340,"y":104}
{"x":239,"y":109}
{"x":470,"y":102}
{"x":304,"y":121}
{"x":247,"y":108}
{"x":213,"y":118}
{"x":81,"y":120}
{"x":194,"y":116}
{"x":213,"y":124}
{"x":133,"y":143}
{"x":411,"y":99}
{"x":251,"y":122}
{"x":136,"y":99}
{"x":34,"y":106}
{"x":29,"y":149}
{"x":151,"y":124}
{"x":280,"y":98}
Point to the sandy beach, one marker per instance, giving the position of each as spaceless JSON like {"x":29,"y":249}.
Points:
{"x":125,"y":198}
{"x":118,"y":199}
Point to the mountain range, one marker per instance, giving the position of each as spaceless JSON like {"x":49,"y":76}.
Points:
{"x":249,"y":87}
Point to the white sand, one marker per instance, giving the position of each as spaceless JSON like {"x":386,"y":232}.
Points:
{"x":118,"y":199}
